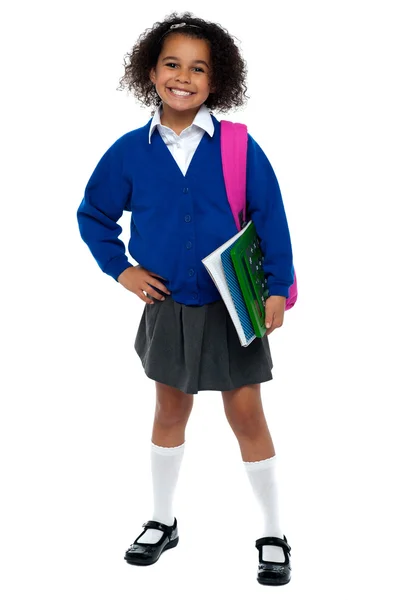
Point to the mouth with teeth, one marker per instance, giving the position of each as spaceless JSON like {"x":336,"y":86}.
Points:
{"x":180,"y":93}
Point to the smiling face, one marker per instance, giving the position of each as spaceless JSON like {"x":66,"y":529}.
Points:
{"x":182,"y":75}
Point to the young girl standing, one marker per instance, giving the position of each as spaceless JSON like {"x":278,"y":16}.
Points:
{"x":168,"y":173}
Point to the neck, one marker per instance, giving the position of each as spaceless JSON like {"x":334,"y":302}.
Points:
{"x":177,"y":121}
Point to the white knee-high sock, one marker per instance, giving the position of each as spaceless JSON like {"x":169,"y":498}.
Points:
{"x":165,"y":467}
{"x":262,"y":475}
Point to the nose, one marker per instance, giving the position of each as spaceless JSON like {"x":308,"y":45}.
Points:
{"x":183,"y":76}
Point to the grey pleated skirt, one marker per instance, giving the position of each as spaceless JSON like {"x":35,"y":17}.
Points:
{"x":195,"y":348}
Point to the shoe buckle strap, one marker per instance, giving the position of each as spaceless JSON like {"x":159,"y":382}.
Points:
{"x":272,"y":541}
{"x":158,"y":525}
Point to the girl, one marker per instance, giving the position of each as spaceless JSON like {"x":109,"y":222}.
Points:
{"x":168,"y":173}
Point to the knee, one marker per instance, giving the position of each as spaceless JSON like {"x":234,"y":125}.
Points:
{"x":245,"y":422}
{"x":171,"y":415}
{"x":173,"y":409}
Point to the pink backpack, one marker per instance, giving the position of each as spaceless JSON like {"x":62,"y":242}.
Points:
{"x":234,"y":141}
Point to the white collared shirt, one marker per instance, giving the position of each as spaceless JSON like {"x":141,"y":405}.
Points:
{"x":183,"y":146}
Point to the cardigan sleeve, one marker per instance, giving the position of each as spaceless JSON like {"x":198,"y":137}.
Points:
{"x":265,"y":208}
{"x":106,"y":196}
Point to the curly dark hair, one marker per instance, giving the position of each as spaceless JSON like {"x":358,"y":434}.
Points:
{"x":228,"y":69}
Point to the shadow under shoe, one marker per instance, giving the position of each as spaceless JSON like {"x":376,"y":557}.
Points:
{"x":148,"y":554}
{"x":274,"y":573}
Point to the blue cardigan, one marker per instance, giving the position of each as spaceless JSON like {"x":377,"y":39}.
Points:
{"x":176,"y":219}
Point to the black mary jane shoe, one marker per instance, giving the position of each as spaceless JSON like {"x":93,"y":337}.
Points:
{"x":147,"y":554}
{"x":274,"y":573}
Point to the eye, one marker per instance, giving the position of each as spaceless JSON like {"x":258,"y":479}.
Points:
{"x":173,"y":65}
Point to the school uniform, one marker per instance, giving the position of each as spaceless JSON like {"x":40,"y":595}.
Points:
{"x":174,"y":188}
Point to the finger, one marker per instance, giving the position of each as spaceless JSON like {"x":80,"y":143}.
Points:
{"x":154,"y":293}
{"x":145,"y":298}
{"x":277,"y":322}
{"x":155,"y":274}
{"x":160,"y":286}
{"x":269,"y":318}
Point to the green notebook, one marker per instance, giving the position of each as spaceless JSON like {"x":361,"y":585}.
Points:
{"x":248,"y":259}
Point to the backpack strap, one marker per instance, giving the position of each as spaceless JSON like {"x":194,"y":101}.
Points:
{"x":234,"y":142}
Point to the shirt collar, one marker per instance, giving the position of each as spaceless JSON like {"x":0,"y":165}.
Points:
{"x":202,"y":119}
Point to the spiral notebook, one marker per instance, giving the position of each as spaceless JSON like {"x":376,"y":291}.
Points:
{"x":237,"y":286}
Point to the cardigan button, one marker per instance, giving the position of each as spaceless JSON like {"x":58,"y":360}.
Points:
{"x":191,"y":272}
{"x":187,"y":218}
{"x":188,"y":245}
{"x":185,"y":190}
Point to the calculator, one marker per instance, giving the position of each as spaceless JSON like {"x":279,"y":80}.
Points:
{"x":248,"y":259}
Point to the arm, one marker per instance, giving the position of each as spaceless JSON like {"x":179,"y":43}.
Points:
{"x":106,"y":196}
{"x":265,"y":207}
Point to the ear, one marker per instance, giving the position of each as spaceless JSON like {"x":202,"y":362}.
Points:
{"x":152,"y":75}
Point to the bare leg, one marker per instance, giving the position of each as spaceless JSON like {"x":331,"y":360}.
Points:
{"x":244,"y":412}
{"x":172,"y":411}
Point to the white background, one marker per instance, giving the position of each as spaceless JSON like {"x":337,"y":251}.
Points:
{"x":76,"y":406}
